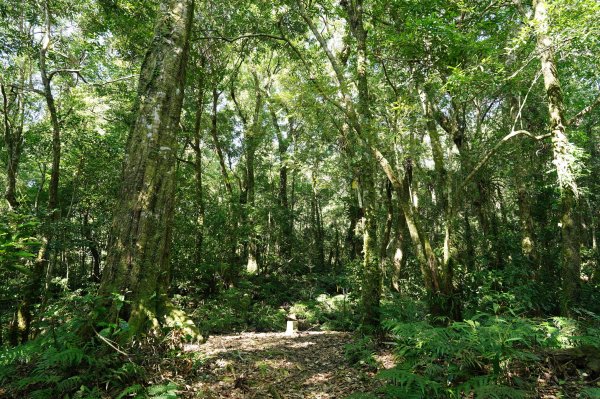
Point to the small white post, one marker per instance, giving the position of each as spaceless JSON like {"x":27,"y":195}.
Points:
{"x":292,"y":327}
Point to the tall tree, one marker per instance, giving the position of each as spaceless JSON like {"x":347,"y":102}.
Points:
{"x":138,"y":265}
{"x":563,"y":160}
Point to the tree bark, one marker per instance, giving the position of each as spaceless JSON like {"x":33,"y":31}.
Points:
{"x":317,"y":226}
{"x":34,"y":290}
{"x":215,"y":136}
{"x":51,"y":105}
{"x":199,"y":239}
{"x":372,"y":273}
{"x":285,"y":238}
{"x":13,"y":140}
{"x":562,"y":160}
{"x":253,"y":137}
{"x":138,"y":267}
{"x":93,"y":248}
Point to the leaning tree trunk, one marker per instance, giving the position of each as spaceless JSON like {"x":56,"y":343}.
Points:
{"x":562,"y":154}
{"x":138,"y":267}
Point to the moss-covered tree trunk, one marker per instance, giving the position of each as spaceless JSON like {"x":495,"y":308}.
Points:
{"x":198,"y":168}
{"x":563,"y":161}
{"x":372,"y":272}
{"x":285,"y":234}
{"x":35,"y":290}
{"x":138,"y":267}
{"x":13,"y":138}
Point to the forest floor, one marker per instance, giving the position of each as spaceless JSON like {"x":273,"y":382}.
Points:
{"x":309,"y":365}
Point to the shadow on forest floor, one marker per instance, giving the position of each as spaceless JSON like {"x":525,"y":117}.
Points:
{"x":273,"y":365}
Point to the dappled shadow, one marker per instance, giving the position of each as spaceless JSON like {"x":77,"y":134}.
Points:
{"x":273,"y":365}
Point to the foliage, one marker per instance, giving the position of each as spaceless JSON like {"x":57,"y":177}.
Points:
{"x":63,"y":362}
{"x":489,"y":356}
{"x":17,"y":241}
{"x":338,"y":312}
{"x":312,"y":136}
{"x":263,"y":306}
{"x":361,"y":352}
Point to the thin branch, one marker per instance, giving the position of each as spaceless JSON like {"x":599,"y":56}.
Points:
{"x":107,"y":342}
{"x":97,"y":84}
{"x":244,"y":36}
{"x":112,"y":81}
{"x":28,"y":88}
{"x":495,"y":149}
{"x":576,"y":120}
{"x":68,"y":71}
{"x":518,"y":117}
{"x":237,"y":107}
{"x":185,"y":161}
{"x":387,"y":77}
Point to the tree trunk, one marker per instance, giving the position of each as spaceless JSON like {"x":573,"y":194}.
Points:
{"x":352,"y":243}
{"x":34,"y":289}
{"x":50,"y":103}
{"x":91,"y":244}
{"x":13,"y":140}
{"x":444,"y":303}
{"x":317,"y":230}
{"x":215,"y":136}
{"x":138,"y":267}
{"x":528,"y":242}
{"x":285,"y":238}
{"x":562,"y":160}
{"x":252,"y":141}
{"x":389,"y":220}
{"x":372,"y":273}
{"x":199,"y":239}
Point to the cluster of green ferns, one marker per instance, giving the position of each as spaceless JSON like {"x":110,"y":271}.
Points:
{"x":485,"y":357}
{"x":60,"y":364}
{"x":488,"y":356}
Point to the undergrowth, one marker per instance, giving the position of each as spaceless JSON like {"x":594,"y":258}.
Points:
{"x":61,"y":363}
{"x":261,"y":305}
{"x":487,"y":356}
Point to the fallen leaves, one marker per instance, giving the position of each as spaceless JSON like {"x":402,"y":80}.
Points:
{"x":310,"y":365}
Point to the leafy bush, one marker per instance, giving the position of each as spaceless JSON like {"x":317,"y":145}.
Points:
{"x":510,"y":290}
{"x":16,"y":241}
{"x":327,"y":312}
{"x":248,"y":307}
{"x":263,"y":317}
{"x":403,"y":309}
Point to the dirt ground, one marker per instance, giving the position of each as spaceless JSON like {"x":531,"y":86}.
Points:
{"x":309,"y":365}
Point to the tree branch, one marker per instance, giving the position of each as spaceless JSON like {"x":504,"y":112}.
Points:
{"x":576,"y":120}
{"x":185,"y":161}
{"x":495,"y":149}
{"x":68,"y":71}
{"x":113,"y":80}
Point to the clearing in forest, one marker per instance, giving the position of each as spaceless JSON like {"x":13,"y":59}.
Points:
{"x":273,"y":365}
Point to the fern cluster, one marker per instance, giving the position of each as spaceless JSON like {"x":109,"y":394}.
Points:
{"x":63,"y":363}
{"x":485,"y":357}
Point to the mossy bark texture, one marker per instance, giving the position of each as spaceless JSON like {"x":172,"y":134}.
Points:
{"x":137,"y":274}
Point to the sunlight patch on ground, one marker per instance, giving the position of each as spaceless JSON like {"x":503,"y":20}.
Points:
{"x":309,"y":365}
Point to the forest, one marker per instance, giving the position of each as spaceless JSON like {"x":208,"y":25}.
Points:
{"x":299,"y":199}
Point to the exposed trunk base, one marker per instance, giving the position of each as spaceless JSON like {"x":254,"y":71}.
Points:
{"x":159,"y":316}
{"x":571,"y":258}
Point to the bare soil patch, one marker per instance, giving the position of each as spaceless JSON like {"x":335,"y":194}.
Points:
{"x":308,"y":365}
